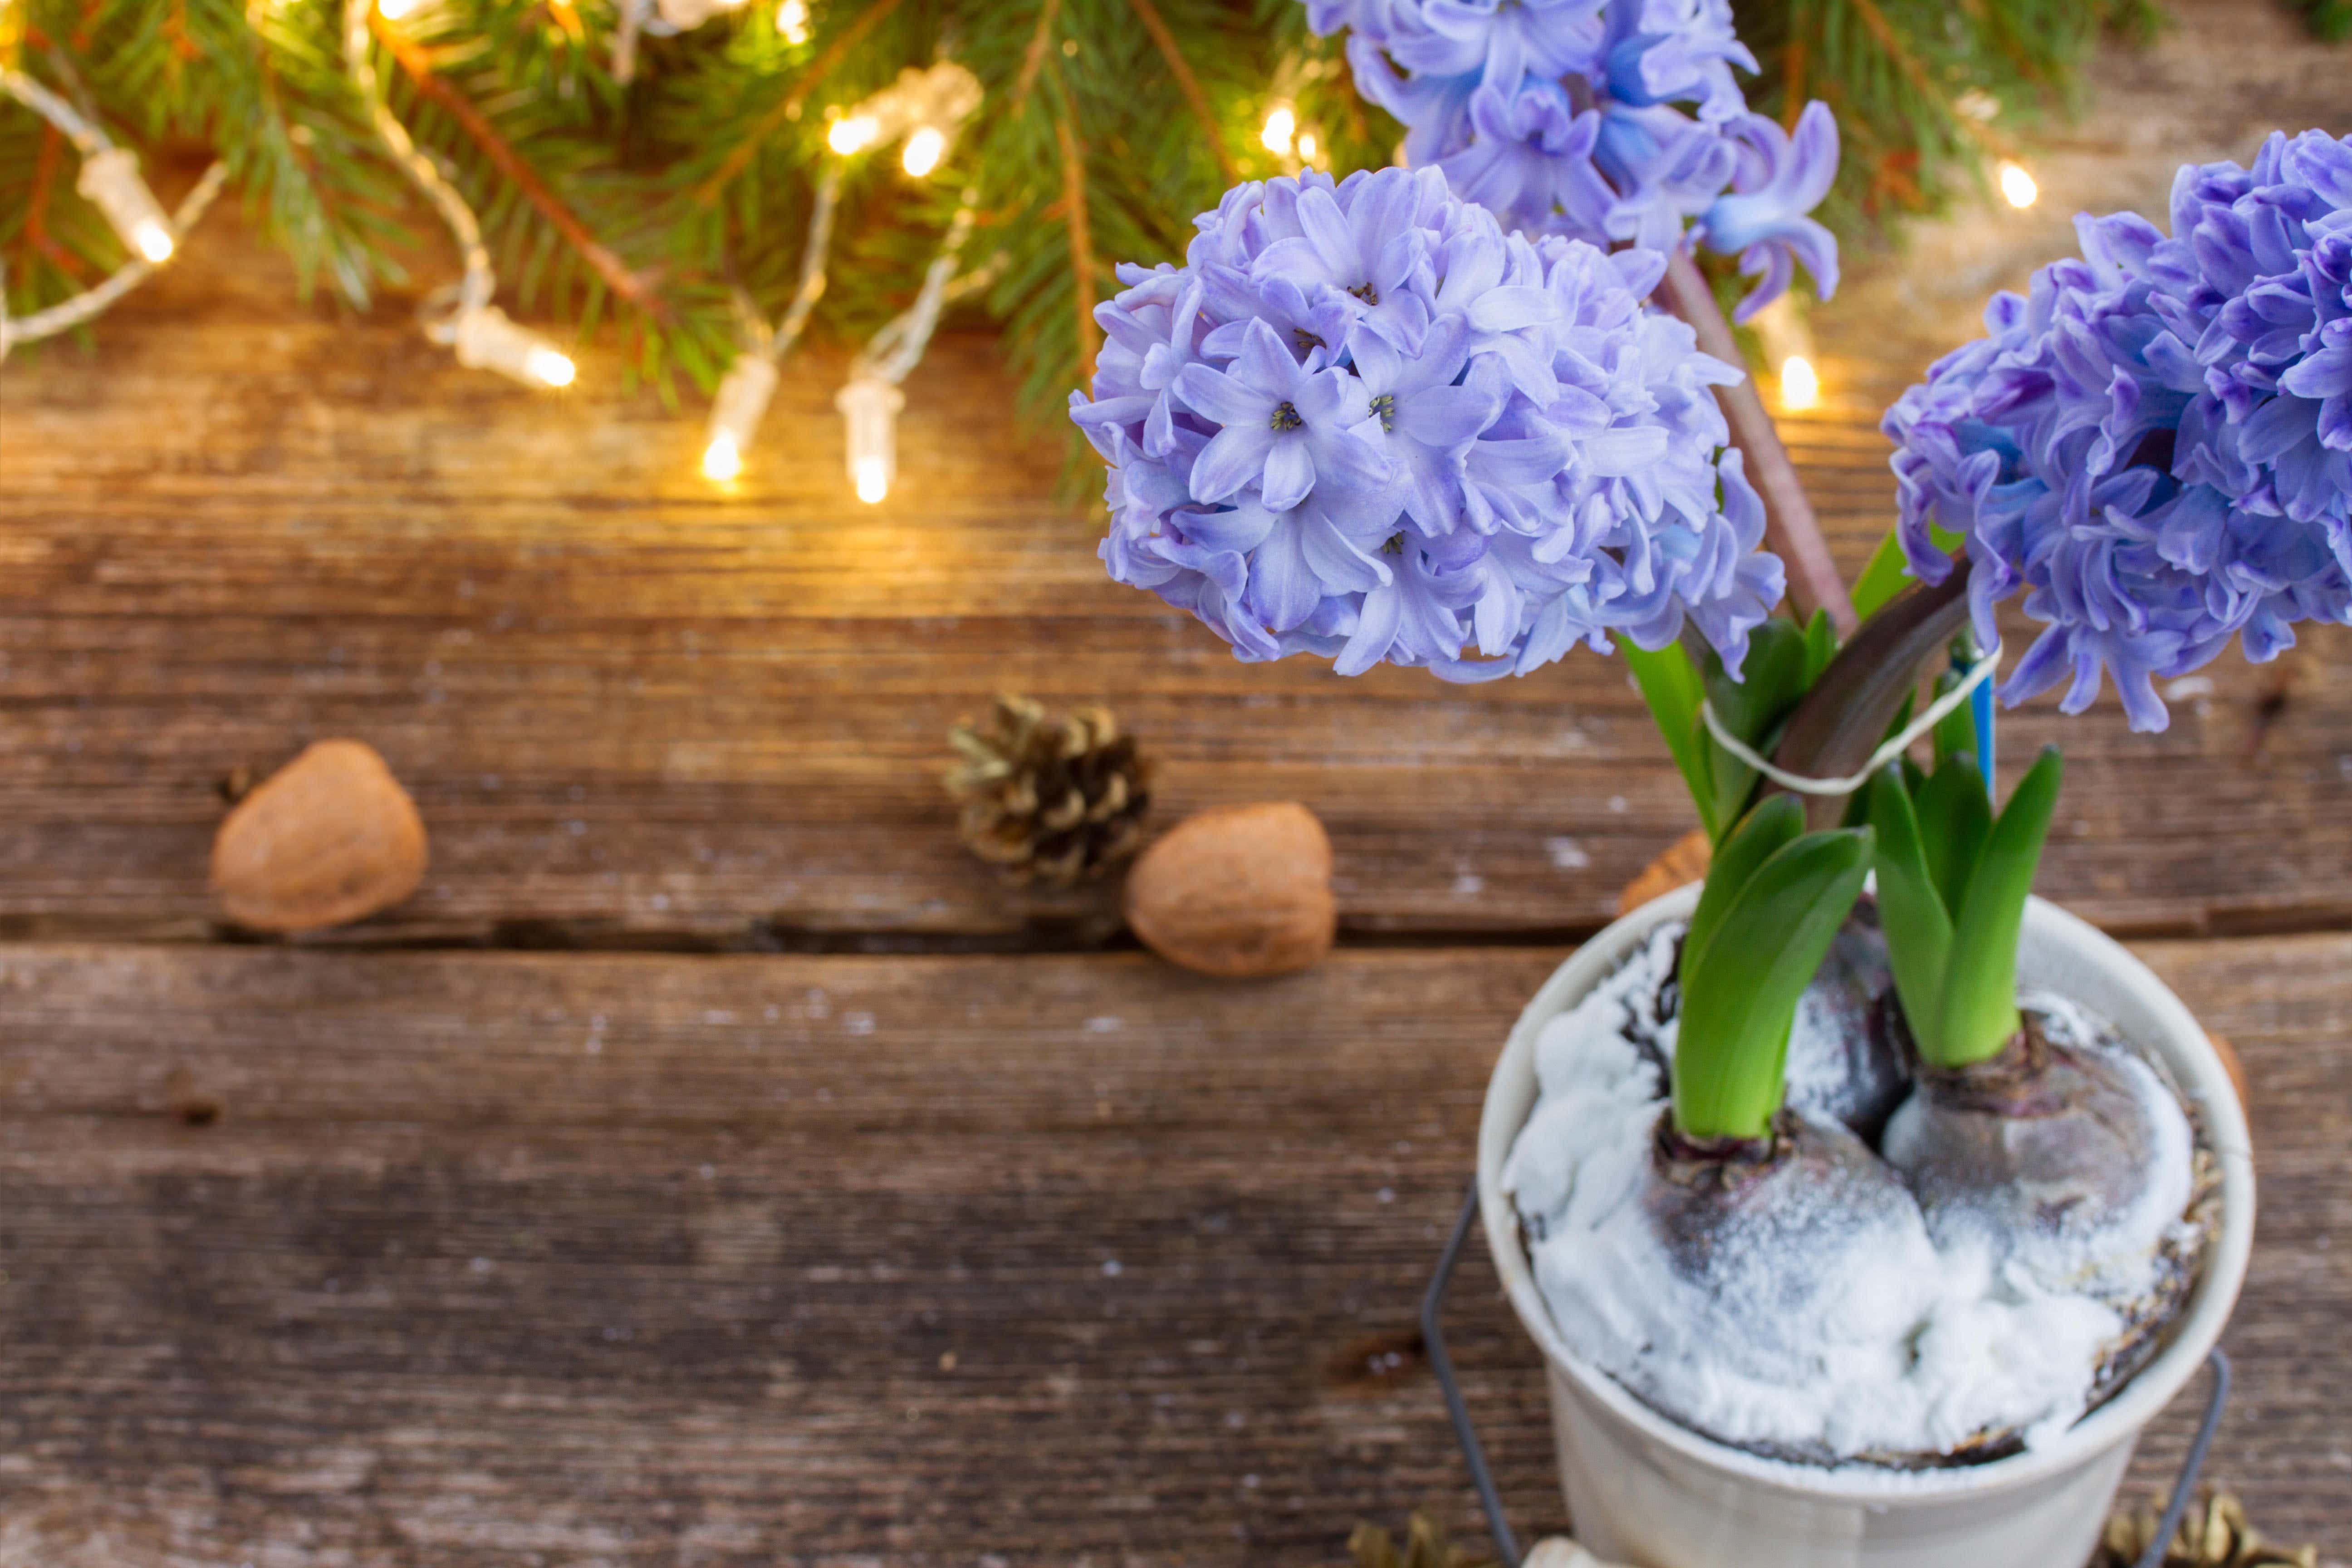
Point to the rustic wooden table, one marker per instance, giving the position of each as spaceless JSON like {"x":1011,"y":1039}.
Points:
{"x":712,"y":1165}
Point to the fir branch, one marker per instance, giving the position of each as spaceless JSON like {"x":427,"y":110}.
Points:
{"x":1792,"y":78}
{"x":1916,"y":71}
{"x":1883,"y":32}
{"x":37,"y":240}
{"x":418,"y":65}
{"x":1031,"y":62}
{"x":1081,"y":244}
{"x":1148,"y":15}
{"x":790,"y":107}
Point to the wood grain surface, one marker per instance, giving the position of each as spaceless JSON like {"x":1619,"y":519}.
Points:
{"x":503,"y":1260}
{"x":874,"y":1216}
{"x":635,"y":709}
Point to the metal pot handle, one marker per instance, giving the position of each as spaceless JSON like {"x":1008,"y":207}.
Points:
{"x":1507,"y":1545}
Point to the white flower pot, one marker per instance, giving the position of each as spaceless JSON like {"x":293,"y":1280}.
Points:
{"x":1644,"y":1490}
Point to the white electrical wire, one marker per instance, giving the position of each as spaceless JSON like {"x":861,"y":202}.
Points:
{"x":480,"y":282}
{"x":932,"y":100}
{"x":1800,"y":784}
{"x":772,"y":343}
{"x":90,"y":140}
{"x":894,"y":352}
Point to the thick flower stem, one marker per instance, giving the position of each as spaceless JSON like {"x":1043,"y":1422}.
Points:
{"x":1790,"y":528}
{"x":1843,"y":719}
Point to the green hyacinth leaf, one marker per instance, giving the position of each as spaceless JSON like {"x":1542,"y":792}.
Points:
{"x":1911,"y":910}
{"x":1955,"y":821}
{"x":1672,"y":689}
{"x":1821,"y":646}
{"x":1772,"y":682}
{"x":1955,"y":731}
{"x":1887,"y":575}
{"x":1761,"y":834}
{"x":1978,"y":1013}
{"x":1741,"y":998}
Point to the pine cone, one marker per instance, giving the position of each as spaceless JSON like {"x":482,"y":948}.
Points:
{"x":2212,"y":1535}
{"x":1425,"y":1546}
{"x":1058,"y":800}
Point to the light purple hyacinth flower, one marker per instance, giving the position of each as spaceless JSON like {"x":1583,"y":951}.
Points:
{"x":1529,"y":162}
{"x":1285,"y":426}
{"x":1780,"y":178}
{"x":1670,"y":51}
{"x":1501,"y":41}
{"x":1665,"y":169}
{"x":1541,"y":465}
{"x":2145,"y":442}
{"x":1362,"y":263}
{"x":1498,"y":92}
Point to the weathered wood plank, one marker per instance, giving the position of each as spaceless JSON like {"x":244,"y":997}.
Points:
{"x":494,"y":1260}
{"x":636,"y":711}
{"x":640,"y":709}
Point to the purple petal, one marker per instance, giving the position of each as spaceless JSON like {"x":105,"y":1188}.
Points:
{"x":1238,"y":455}
{"x":1289,"y":472}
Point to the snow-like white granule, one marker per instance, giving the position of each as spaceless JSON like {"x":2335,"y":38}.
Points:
{"x":1830,"y":1325}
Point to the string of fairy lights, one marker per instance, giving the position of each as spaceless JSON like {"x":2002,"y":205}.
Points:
{"x":920,"y":113}
{"x":111,"y":182}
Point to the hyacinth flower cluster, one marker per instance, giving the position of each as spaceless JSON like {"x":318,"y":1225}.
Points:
{"x":2155,"y":445}
{"x":1564,"y":118}
{"x":1362,"y":422}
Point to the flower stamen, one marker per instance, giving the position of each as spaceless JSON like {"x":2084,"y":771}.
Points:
{"x":1286,"y":418}
{"x":1367,"y":292}
{"x":1384,"y":406}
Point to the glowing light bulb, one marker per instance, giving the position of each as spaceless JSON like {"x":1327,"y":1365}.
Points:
{"x":2017,"y":186}
{"x":1308,"y":146}
{"x":792,"y":21}
{"x":548,"y":368}
{"x":110,"y":181}
{"x":1280,"y":125}
{"x":871,"y":406}
{"x":1800,"y":386}
{"x":849,"y":135}
{"x":487,"y":338}
{"x":735,"y":414}
{"x":394,"y":10}
{"x":721,"y":461}
{"x":923,"y":151}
